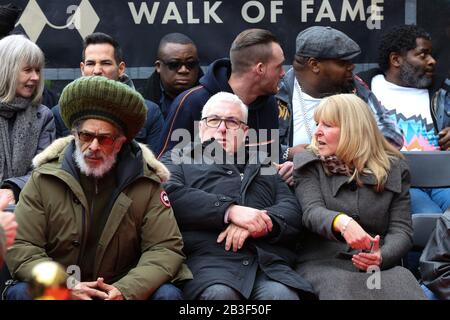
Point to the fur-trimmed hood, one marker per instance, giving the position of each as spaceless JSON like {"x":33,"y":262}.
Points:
{"x":54,"y":150}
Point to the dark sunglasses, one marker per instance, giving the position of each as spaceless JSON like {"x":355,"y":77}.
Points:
{"x":103,"y":139}
{"x":175,"y":65}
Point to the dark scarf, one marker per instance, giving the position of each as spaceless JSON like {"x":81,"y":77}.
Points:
{"x":19,"y":136}
{"x":333,"y":165}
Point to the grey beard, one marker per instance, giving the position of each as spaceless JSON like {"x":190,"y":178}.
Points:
{"x":97,"y":172}
{"x":408,"y":75}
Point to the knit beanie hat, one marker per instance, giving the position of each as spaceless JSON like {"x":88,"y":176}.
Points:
{"x":97,"y":97}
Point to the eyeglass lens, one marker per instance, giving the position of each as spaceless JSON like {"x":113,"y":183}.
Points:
{"x":88,"y":137}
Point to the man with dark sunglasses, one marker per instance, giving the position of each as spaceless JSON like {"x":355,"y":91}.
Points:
{"x":95,"y":203}
{"x":102,"y":56}
{"x":177,"y":69}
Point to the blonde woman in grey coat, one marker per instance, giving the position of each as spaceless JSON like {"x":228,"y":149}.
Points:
{"x":353,"y":187}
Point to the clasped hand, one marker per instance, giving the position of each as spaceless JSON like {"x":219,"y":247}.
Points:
{"x":98,"y":290}
{"x":244,"y":222}
{"x":357,"y":238}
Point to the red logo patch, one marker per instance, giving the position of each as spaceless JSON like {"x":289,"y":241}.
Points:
{"x":164,"y":199}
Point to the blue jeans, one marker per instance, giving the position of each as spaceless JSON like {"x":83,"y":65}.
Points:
{"x":428,"y":293}
{"x":427,"y":200}
{"x":264,"y":289}
{"x":19,"y":291}
{"x":167,"y":291}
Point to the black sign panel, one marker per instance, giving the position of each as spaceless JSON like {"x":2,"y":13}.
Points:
{"x":58,"y":26}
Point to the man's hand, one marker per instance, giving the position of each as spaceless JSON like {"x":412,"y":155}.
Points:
{"x":9,"y":194}
{"x":286,"y":170}
{"x":296,"y":149}
{"x":235,"y":237}
{"x":7,"y":221}
{"x":253,"y":220}
{"x":364,"y":260}
{"x":444,"y":139}
{"x":113,"y":292}
{"x":88,"y":291}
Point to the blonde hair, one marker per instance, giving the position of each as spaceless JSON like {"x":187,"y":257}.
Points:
{"x":15,"y":52}
{"x":361,"y":145}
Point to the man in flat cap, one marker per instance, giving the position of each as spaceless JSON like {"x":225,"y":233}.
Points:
{"x":322,"y":67}
{"x":94,"y":203}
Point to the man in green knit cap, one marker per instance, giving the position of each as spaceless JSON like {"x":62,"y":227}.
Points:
{"x":94,"y":203}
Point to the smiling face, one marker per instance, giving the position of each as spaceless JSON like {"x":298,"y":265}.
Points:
{"x":327,"y":136}
{"x":27,"y":81}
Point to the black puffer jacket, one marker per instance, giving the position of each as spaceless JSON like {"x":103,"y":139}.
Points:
{"x":200,"y":195}
{"x":435,"y":259}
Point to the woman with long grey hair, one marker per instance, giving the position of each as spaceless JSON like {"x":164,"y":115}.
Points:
{"x":26,"y":126}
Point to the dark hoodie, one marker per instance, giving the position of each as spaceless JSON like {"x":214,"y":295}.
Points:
{"x":187,"y":107}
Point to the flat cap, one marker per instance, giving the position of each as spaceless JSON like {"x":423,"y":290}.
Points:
{"x":325,"y":43}
{"x":97,"y":97}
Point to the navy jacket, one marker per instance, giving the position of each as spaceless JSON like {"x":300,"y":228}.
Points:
{"x":187,"y":107}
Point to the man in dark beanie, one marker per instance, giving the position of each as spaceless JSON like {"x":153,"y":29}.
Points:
{"x":94,"y":203}
{"x":9,"y":14}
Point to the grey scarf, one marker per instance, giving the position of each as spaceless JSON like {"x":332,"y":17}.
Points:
{"x":18,"y":139}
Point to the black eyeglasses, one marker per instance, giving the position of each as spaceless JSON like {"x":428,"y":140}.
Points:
{"x":230,"y":123}
{"x":103,"y":139}
{"x":175,"y":65}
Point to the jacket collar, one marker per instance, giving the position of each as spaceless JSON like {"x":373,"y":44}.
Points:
{"x":57,"y":151}
{"x":200,"y":153}
{"x":286,"y":88}
{"x":393,"y":183}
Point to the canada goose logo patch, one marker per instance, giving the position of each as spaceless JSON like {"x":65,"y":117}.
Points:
{"x":165,"y":199}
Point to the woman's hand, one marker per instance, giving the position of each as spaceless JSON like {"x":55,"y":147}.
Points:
{"x":354,"y":234}
{"x":364,"y":260}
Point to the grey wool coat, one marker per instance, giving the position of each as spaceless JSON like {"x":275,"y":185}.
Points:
{"x":324,"y":256}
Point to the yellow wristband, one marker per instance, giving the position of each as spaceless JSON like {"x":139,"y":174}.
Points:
{"x":336,"y":219}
